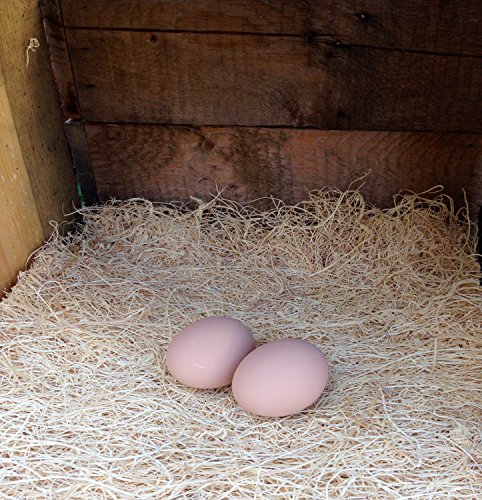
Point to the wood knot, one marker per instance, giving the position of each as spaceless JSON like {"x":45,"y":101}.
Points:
{"x":207,"y":145}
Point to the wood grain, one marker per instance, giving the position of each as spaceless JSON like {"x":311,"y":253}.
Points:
{"x":166,"y":163}
{"x":251,"y":80}
{"x":20,"y":228}
{"x":60,"y":58}
{"x":75,"y":131}
{"x":35,"y":108}
{"x":38,"y":182}
{"x":435,"y":25}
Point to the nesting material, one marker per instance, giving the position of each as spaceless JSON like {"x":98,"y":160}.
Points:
{"x":87,"y":409}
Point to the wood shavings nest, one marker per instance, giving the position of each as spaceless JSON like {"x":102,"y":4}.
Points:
{"x":391,"y":297}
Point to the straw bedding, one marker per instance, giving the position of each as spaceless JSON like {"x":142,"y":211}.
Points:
{"x":391,"y":297}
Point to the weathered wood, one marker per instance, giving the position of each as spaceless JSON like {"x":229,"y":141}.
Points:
{"x":431,"y":25}
{"x":35,"y":108}
{"x":40,"y":144}
{"x":270,"y":81}
{"x":167,"y":163}
{"x":75,"y":131}
{"x":479,"y":242}
{"x":20,"y":228}
{"x":60,"y":58}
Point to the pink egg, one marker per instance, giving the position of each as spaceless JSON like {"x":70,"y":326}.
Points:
{"x":206,"y":354}
{"x":280,"y":378}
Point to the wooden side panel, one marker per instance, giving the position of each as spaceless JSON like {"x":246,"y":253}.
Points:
{"x":167,"y":163}
{"x":37,"y":178}
{"x":60,"y":58}
{"x":270,"y":81}
{"x":20,"y":228}
{"x":35,"y":108}
{"x":75,"y":131}
{"x":430,"y":25}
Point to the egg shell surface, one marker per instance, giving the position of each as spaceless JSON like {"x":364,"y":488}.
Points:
{"x":206,"y":353}
{"x":280,"y":378}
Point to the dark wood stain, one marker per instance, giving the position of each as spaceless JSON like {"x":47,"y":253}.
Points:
{"x":360,"y":73}
{"x":271,"y":81}
{"x":60,"y":59}
{"x":173,"y":163}
{"x":75,"y":132}
{"x":255,"y":156}
{"x":434,"y":26}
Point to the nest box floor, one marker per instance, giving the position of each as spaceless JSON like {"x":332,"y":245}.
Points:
{"x":392,"y":297}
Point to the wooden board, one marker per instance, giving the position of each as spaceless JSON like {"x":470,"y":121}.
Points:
{"x":60,"y":58}
{"x":75,"y":131}
{"x":251,"y":80}
{"x":20,"y":228}
{"x":167,"y":163}
{"x":38,"y":183}
{"x":435,"y":25}
{"x":35,"y":108}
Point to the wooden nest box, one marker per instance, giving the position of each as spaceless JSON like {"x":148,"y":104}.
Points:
{"x":168,"y":99}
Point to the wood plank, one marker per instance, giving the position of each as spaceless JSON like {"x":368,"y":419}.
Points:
{"x":435,"y":25}
{"x":270,"y":81}
{"x":20,"y":227}
{"x":35,"y":108}
{"x":166,"y":163}
{"x":60,"y":58}
{"x":75,"y":131}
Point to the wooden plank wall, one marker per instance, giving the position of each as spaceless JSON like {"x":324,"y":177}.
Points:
{"x":251,"y":163}
{"x":265,"y":98}
{"x":37,"y":182}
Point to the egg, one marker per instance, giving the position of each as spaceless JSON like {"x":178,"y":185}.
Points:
{"x":206,"y":353}
{"x":280,"y":378}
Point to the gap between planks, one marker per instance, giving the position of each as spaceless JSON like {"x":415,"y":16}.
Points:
{"x":313,"y":36}
{"x":270,"y":127}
